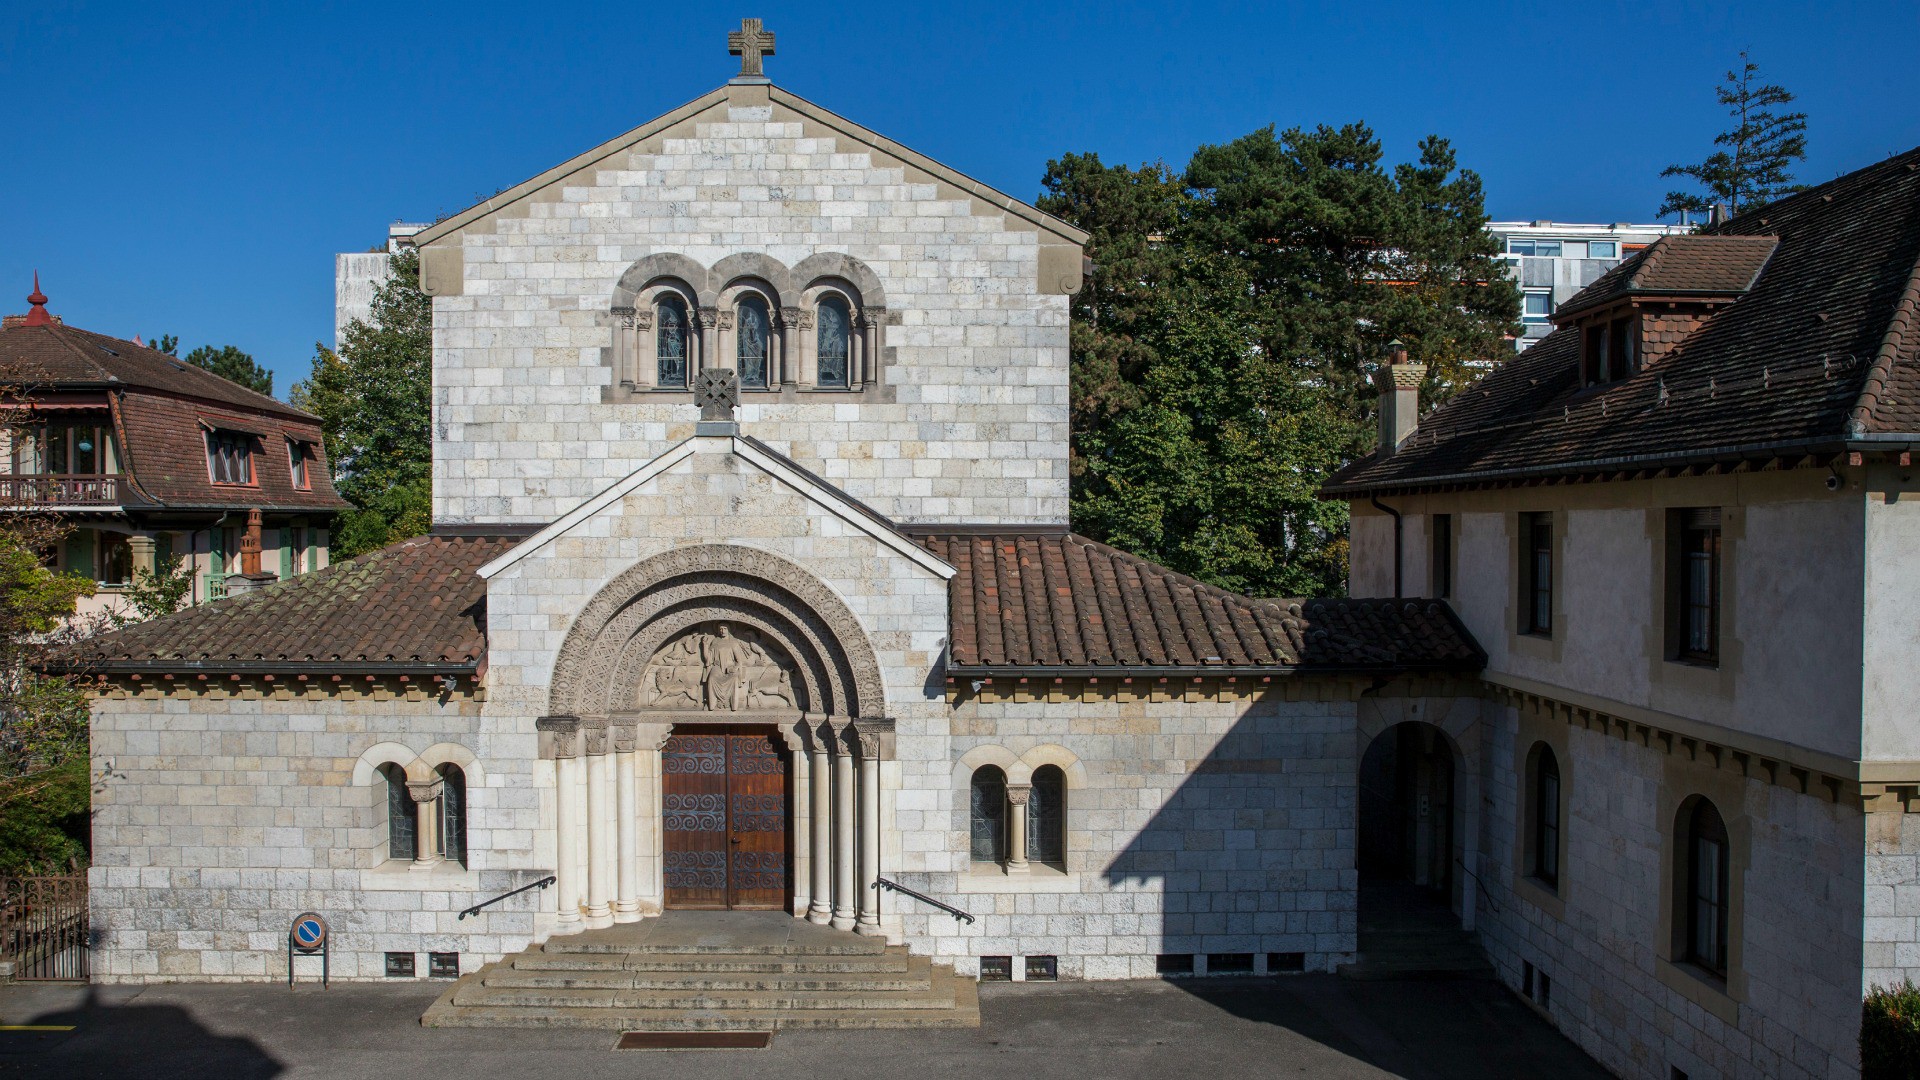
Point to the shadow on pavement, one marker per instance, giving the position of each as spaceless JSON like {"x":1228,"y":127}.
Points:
{"x":116,"y":1040}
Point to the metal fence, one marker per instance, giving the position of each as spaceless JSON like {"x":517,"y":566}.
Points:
{"x":43,"y":927}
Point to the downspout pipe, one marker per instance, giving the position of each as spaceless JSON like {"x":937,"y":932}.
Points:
{"x":1398,"y":544}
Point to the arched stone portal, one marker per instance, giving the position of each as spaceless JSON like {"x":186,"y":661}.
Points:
{"x":709,"y":646}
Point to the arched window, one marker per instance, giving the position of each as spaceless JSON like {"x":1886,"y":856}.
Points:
{"x":752,"y":327}
{"x":1546,"y":817}
{"x":1708,"y":883}
{"x":402,"y":838}
{"x":989,"y":814}
{"x":834,"y":323}
{"x":453,"y":813}
{"x":670,"y":331}
{"x":1047,"y":817}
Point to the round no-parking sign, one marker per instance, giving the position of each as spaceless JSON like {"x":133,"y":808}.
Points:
{"x":309,"y":931}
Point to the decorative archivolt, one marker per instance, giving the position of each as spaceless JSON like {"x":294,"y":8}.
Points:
{"x":716,"y":628}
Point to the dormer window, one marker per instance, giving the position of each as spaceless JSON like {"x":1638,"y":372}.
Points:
{"x":230,"y":457}
{"x":299,"y":454}
{"x":1609,"y":350}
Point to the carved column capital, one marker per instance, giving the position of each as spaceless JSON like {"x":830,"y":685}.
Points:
{"x":725,"y":320}
{"x":559,"y":736}
{"x":593,"y":731}
{"x":625,"y":737}
{"x":791,"y":316}
{"x":1017,"y":794}
{"x":624,"y":315}
{"x":709,"y":317}
{"x":424,"y":791}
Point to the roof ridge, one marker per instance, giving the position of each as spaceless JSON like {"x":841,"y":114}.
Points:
{"x":1906,"y":314}
{"x":76,"y":350}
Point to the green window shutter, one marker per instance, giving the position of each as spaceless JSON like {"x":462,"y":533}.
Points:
{"x":162,"y":548}
{"x":286,"y":553}
{"x":80,"y":552}
{"x":216,"y":559}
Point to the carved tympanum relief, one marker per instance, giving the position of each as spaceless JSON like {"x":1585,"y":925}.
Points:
{"x":718,"y":667}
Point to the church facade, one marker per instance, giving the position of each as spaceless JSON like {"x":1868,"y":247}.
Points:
{"x":750,"y":587}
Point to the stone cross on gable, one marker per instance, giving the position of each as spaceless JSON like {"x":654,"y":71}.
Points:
{"x":717,"y":391}
{"x":750,"y":43}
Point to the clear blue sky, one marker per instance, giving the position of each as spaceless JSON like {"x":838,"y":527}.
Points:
{"x":192,"y":168}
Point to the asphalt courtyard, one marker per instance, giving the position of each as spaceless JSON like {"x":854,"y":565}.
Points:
{"x":1313,"y":1025}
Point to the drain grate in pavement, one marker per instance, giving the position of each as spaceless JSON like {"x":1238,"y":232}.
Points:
{"x":694,"y":1040}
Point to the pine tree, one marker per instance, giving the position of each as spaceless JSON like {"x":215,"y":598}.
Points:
{"x":1754,"y":167}
{"x":234,"y":366}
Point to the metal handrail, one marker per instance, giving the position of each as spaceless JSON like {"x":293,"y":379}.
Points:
{"x":883,"y":883}
{"x":1481,"y":885}
{"x":475,"y":909}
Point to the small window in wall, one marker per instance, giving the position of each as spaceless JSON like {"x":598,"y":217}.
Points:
{"x":988,"y":814}
{"x":1547,"y":248}
{"x":1707,"y":884}
{"x":1603,"y":249}
{"x":400,"y":965}
{"x":299,"y":456}
{"x":1621,"y":346}
{"x":996,"y":968}
{"x":1230,"y":963}
{"x":1536,"y":573}
{"x":1047,"y":817}
{"x":402,"y":825}
{"x":1043,"y":968}
{"x":453,"y":813}
{"x":833,"y":324}
{"x":670,"y":333}
{"x":113,"y":559}
{"x":443,"y":965}
{"x":1537,"y":307}
{"x":1441,"y":561}
{"x":1544,"y":817}
{"x":1173,"y":964}
{"x":1693,"y":585}
{"x":1279,"y":963}
{"x":752,"y":327}
{"x":230,"y":457}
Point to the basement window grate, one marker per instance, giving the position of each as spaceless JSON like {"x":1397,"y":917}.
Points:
{"x":1280,"y":963}
{"x":443,"y":965}
{"x":996,"y":969}
{"x":1230,"y":963}
{"x":399,"y":965}
{"x":1173,"y":964}
{"x":1043,"y":968}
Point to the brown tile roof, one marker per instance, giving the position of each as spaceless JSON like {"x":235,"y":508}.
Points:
{"x":1055,"y":601}
{"x":1061,"y":601}
{"x":1696,"y":266}
{"x":34,"y":356}
{"x":1822,"y":351}
{"x":417,"y":605}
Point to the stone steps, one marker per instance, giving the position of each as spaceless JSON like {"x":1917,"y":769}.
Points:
{"x":711,"y":971}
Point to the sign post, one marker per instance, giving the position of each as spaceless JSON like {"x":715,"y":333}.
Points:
{"x":308,"y":935}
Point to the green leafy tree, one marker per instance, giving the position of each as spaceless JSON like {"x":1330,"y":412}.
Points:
{"x":43,"y":719}
{"x":166,"y":343}
{"x":374,"y":399}
{"x":165,"y":589}
{"x":234,"y":366}
{"x":1753,"y":166}
{"x":1222,"y":343}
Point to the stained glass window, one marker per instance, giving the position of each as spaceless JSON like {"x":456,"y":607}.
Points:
{"x":1546,"y":819}
{"x":670,"y":342}
{"x":1047,"y":816}
{"x":833,"y":323}
{"x":750,"y":338}
{"x":989,"y":814}
{"x":400,"y":820}
{"x":453,"y":813}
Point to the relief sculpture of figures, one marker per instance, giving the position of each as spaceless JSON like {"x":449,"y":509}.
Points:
{"x":718,"y":671}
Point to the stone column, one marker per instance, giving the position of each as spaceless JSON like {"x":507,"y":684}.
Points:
{"x":709,"y":341}
{"x":599,"y":911}
{"x":426,"y":818}
{"x":1017,"y":828}
{"x":856,"y":331}
{"x":820,"y":908}
{"x":802,"y":832}
{"x":843,"y":834}
{"x":790,"y":346}
{"x":649,"y":740}
{"x":144,"y":553}
{"x":559,"y":736}
{"x":869,"y":921}
{"x":626,"y":897}
{"x":776,"y":348}
{"x":872,"y":322}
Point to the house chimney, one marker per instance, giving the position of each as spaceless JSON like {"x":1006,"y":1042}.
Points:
{"x":1719,"y":214}
{"x":1399,"y":384}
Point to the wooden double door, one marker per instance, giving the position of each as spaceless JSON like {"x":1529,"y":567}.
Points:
{"x":725,"y":818}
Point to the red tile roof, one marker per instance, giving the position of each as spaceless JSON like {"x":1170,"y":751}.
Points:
{"x":1057,"y":602}
{"x":1061,"y":601}
{"x":1691,"y":266}
{"x":416,"y":605}
{"x":1821,"y":353}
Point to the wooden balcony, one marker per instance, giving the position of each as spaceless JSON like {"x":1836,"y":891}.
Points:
{"x":49,"y":492}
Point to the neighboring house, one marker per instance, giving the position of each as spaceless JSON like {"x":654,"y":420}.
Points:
{"x":148,"y":456}
{"x":1553,"y":260}
{"x":1682,"y":526}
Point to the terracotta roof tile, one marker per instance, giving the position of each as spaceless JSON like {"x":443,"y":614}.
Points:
{"x":1104,"y":608}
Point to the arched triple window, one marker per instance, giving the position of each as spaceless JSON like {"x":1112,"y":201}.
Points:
{"x":453,"y":813}
{"x":834,"y":327}
{"x":1708,"y":886}
{"x":1543,"y":797}
{"x":753,"y":328}
{"x":988,"y":814}
{"x":1047,"y":817}
{"x":671,"y":330}
{"x":402,"y":838}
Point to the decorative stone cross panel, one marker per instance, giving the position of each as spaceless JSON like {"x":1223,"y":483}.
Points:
{"x":750,"y":43}
{"x":717,"y":391}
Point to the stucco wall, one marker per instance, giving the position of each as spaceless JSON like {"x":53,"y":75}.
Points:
{"x":1891,"y":597}
{"x":1798,"y":911}
{"x":971,"y":421}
